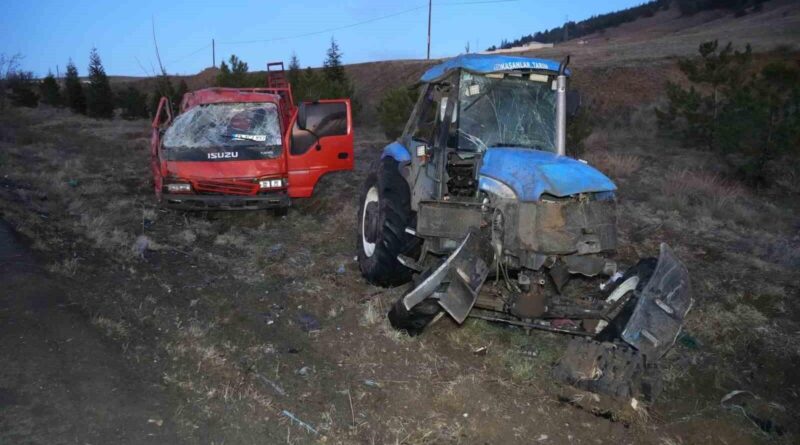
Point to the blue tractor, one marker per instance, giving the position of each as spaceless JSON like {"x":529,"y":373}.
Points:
{"x":478,"y":206}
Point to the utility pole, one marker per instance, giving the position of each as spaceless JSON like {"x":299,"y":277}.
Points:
{"x":430,"y":7}
{"x":213,"y":54}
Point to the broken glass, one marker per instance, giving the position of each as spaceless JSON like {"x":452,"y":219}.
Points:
{"x":221,"y":127}
{"x":506,"y":111}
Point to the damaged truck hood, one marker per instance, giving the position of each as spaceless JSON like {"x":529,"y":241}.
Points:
{"x":531,"y":173}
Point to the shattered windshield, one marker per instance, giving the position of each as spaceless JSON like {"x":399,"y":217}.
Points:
{"x":506,"y":110}
{"x":225,"y":126}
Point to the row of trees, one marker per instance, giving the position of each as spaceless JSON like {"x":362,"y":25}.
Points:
{"x":751,"y":116}
{"x":599,"y":23}
{"x":95,"y":98}
{"x":307,"y":84}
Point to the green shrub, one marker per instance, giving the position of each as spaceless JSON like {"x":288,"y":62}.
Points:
{"x":579,"y":127}
{"x":21,"y":84}
{"x":394,"y":108}
{"x":133,"y":103}
{"x":752,"y":119}
{"x":50,"y":91}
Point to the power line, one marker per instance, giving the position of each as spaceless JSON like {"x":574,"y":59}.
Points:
{"x":188,"y":55}
{"x":364,"y":22}
{"x":325,"y":31}
{"x":351,"y":25}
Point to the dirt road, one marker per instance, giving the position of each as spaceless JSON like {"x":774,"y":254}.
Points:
{"x":61,"y":381}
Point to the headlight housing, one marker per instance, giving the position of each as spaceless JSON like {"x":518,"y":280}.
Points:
{"x":272,"y":183}
{"x":179,"y":187}
{"x":495,"y":187}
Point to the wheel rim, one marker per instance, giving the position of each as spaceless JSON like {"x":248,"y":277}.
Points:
{"x":370,"y":200}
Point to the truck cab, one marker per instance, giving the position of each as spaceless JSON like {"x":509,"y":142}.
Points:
{"x":247,"y":148}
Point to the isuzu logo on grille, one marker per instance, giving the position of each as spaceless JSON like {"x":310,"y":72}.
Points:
{"x":224,"y":155}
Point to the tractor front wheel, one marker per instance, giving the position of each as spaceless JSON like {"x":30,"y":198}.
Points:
{"x":383,"y":216}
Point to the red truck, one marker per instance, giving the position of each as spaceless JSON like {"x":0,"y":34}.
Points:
{"x":247,"y":148}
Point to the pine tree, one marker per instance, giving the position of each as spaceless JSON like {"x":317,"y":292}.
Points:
{"x":238,"y":72}
{"x":50,"y":91}
{"x":313,"y":85}
{"x":99,"y":97}
{"x":163,"y":88}
{"x":295,"y":77}
{"x":334,"y":71}
{"x":75,"y":98}
{"x":224,"y":76}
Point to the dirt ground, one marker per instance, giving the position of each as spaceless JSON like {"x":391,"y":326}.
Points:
{"x":125,"y":323}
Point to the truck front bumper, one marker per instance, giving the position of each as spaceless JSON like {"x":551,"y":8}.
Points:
{"x":225,"y":202}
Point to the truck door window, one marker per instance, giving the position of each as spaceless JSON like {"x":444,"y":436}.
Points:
{"x":323,"y":119}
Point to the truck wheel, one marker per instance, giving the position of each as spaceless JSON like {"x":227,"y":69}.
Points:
{"x":383,"y":216}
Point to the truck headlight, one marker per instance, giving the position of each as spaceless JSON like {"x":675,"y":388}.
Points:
{"x":179,"y":187}
{"x":272,"y":183}
{"x":496,"y":188}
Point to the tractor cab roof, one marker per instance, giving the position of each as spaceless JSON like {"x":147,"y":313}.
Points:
{"x":489,"y":63}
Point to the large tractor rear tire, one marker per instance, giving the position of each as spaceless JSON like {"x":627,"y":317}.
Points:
{"x":383,"y":216}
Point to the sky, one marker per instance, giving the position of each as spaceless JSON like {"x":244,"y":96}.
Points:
{"x":49,"y":33}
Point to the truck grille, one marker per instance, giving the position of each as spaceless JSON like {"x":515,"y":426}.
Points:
{"x":225,"y":187}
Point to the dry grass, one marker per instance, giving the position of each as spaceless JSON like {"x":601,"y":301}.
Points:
{"x":372,"y":314}
{"x":119,"y":330}
{"x":67,"y":267}
{"x":615,"y":165}
{"x":701,"y":188}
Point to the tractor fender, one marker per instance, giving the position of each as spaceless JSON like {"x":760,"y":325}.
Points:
{"x":398,"y":152}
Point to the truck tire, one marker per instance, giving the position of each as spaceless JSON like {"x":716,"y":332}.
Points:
{"x":383,"y":215}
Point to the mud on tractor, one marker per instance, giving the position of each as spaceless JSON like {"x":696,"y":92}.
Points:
{"x":247,"y":148}
{"x":479,"y":207}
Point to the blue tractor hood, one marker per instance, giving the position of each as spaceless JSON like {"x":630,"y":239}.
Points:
{"x":531,"y":173}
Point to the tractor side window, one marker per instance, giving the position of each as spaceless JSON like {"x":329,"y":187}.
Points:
{"x":323,"y":119}
{"x":425,"y":127}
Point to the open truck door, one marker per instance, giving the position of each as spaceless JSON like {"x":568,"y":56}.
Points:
{"x":160,"y":122}
{"x":321,"y":142}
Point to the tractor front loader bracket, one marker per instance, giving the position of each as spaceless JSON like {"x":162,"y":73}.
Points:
{"x":456,"y":282}
{"x":658,"y":317}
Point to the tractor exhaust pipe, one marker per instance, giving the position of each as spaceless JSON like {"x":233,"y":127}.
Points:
{"x":561,"y":108}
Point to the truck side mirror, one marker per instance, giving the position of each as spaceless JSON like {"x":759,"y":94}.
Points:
{"x":301,"y":116}
{"x":573,"y":103}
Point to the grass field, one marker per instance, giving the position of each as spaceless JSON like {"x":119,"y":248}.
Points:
{"x":245,"y":315}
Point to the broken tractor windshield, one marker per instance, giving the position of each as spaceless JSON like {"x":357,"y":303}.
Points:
{"x":225,"y":131}
{"x":506,"y":110}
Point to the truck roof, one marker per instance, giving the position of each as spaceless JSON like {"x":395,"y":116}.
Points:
{"x":221,"y":95}
{"x":489,"y":63}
